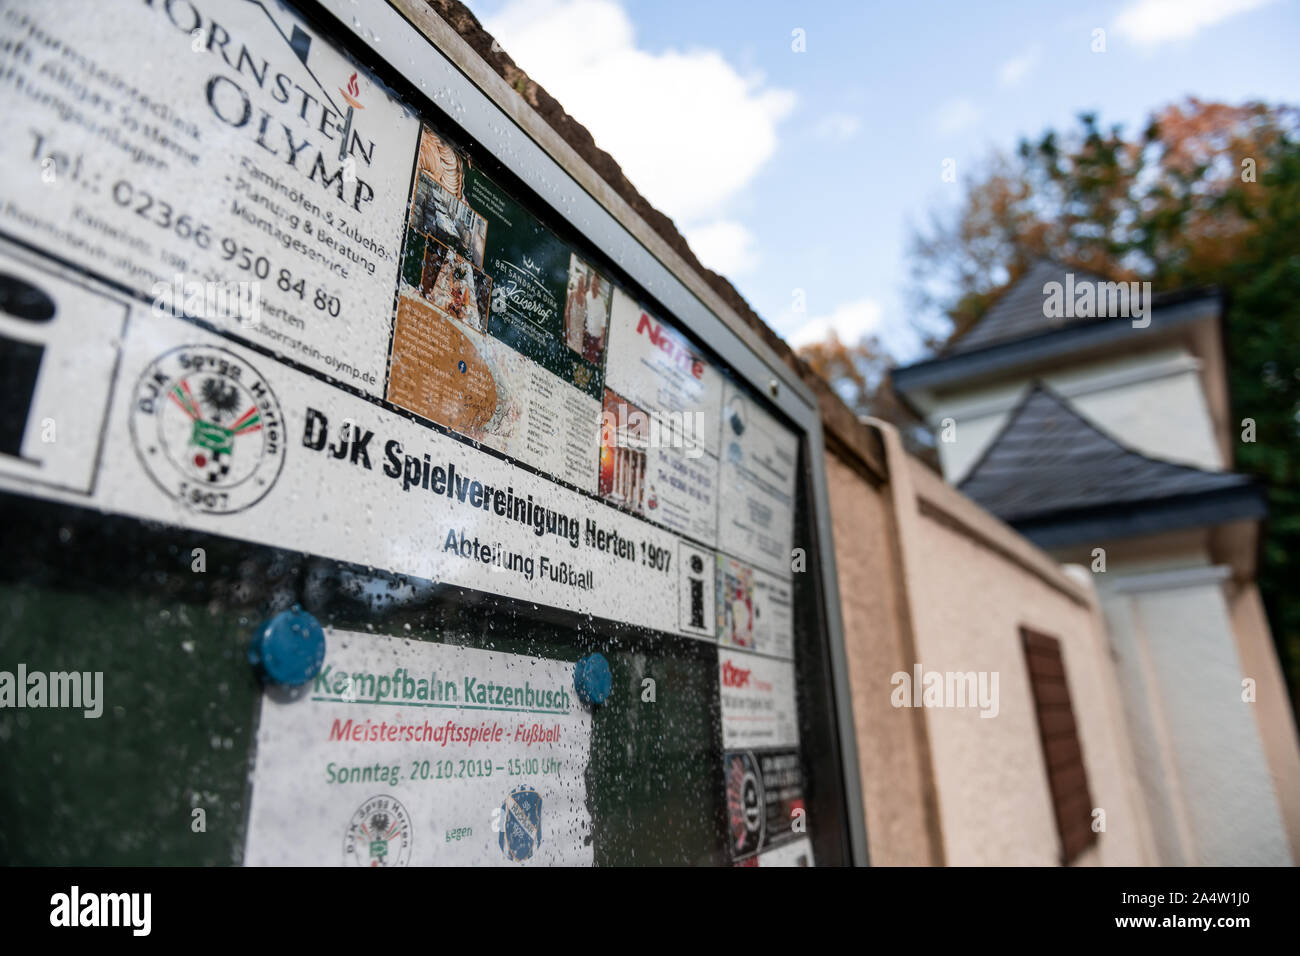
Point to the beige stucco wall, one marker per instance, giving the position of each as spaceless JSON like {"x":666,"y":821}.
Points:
{"x":995,"y":804}
{"x":895,"y":767}
{"x":953,"y":596}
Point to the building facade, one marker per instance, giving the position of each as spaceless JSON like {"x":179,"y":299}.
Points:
{"x":1108,"y":442}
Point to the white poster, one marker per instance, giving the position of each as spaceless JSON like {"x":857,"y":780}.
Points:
{"x":221,"y":158}
{"x":661,"y":415}
{"x":758,"y":705}
{"x":409,"y":753}
{"x":757,"y":482}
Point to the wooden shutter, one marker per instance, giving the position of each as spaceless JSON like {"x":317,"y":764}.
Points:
{"x":1066,"y":775}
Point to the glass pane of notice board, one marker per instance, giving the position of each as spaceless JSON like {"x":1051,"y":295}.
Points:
{"x":288,"y":357}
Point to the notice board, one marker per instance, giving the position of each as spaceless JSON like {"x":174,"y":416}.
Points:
{"x":280,"y":332}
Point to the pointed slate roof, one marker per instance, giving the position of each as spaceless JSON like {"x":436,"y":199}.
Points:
{"x":1018,"y":313}
{"x":1050,"y":466}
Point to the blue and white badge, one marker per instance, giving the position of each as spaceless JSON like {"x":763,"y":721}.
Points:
{"x":521,"y":823}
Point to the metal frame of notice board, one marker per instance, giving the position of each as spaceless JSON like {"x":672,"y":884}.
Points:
{"x":398,"y":43}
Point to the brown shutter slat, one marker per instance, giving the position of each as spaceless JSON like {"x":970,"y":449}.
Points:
{"x":1067,"y":778}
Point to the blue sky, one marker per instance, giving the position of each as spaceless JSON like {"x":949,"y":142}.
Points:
{"x":805,"y":170}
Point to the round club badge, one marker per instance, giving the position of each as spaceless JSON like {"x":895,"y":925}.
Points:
{"x":208,"y":429}
{"x":379,"y":834}
{"x":746,"y":814}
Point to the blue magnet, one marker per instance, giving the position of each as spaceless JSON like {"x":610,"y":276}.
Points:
{"x":289,"y":649}
{"x":592,"y":678}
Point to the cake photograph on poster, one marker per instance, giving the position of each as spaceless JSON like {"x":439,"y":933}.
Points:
{"x":481,"y":336}
{"x":454,"y":286}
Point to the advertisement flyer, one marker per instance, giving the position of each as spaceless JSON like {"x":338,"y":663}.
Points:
{"x":408,"y":753}
{"x":660,"y":423}
{"x":490,"y":334}
{"x":246,"y":155}
{"x":754,"y":609}
{"x":546,"y":302}
{"x":765,"y":805}
{"x":757,"y":696}
{"x":756,"y":485}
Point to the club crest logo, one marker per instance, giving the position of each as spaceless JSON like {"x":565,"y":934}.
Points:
{"x":379,"y":834}
{"x":521,"y":823}
{"x":208,"y":429}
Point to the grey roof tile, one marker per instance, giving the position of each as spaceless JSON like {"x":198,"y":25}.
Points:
{"x":1049,"y":459}
{"x":1018,"y":313}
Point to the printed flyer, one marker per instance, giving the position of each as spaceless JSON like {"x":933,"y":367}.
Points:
{"x":408,"y":753}
{"x":754,"y":609}
{"x":765,"y":805}
{"x":659,"y":424}
{"x":246,"y":153}
{"x":490,"y":334}
{"x":757,"y":483}
{"x":757,"y":697}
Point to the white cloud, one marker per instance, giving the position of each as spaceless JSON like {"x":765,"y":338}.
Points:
{"x":1152,"y":22}
{"x":850,"y":321}
{"x":725,"y":246}
{"x":837,"y":126}
{"x":1017,"y":68}
{"x":956,"y":116}
{"x":689,"y":130}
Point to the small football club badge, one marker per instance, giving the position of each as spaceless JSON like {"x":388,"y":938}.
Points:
{"x":521,"y":823}
{"x":208,"y":429}
{"x":379,"y":834}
